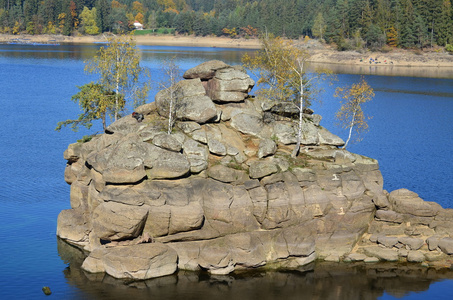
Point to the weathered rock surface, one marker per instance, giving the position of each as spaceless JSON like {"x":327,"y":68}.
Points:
{"x":229,"y":85}
{"x":190,"y":101}
{"x":206,"y":70}
{"x":142,"y":261}
{"x":221,"y":192}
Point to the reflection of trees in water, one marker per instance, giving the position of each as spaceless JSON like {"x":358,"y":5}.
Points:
{"x":63,"y":51}
{"x":321,"y":281}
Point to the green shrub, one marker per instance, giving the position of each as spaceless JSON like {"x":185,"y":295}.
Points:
{"x":165,"y":30}
{"x":449,"y":48}
{"x":143,"y":32}
{"x":85,"y":138}
{"x":386,"y":49}
{"x":155,"y":31}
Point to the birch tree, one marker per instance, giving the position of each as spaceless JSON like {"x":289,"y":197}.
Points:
{"x":172,"y":74}
{"x":350,"y":116}
{"x":280,"y":67}
{"x":95,"y":102}
{"x":118,"y":66}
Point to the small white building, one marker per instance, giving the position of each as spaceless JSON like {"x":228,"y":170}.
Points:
{"x":138,"y":25}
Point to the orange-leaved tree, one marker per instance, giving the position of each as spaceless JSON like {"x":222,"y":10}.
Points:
{"x":350,"y":115}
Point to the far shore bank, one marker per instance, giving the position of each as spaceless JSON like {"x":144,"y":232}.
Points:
{"x":319,"y":53}
{"x":155,"y":40}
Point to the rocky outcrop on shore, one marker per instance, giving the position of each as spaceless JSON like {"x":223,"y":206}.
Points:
{"x":222,"y":192}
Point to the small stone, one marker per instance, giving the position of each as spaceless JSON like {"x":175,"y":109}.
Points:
{"x":232,"y":150}
{"x":413,"y":243}
{"x":387,"y":241}
{"x":357,"y":257}
{"x":371,"y":260}
{"x":332,"y":258}
{"x":433,"y":243}
{"x":446,"y":245}
{"x":260,"y":169}
{"x":389,"y":216}
{"x":434,"y":256}
{"x":403,"y":252}
{"x":374,"y":238}
{"x":217,"y":147}
{"x":188,"y":127}
{"x":46,"y":290}
{"x":167,"y":142}
{"x":381,"y":253}
{"x":415,"y":256}
{"x":267,"y":147}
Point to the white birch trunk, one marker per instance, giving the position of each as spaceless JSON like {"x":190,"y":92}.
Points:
{"x":301,"y":116}
{"x":350,"y":131}
{"x":117,"y":85}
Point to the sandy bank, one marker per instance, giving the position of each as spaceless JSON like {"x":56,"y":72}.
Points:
{"x":319,"y":54}
{"x":169,"y":40}
{"x":397,"y":57}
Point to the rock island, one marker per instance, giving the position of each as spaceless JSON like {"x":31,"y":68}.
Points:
{"x":222,"y":193}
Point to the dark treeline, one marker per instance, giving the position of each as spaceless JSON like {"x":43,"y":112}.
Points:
{"x":348,"y":23}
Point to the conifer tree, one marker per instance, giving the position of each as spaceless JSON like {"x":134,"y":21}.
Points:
{"x":88,"y":18}
{"x":319,"y":26}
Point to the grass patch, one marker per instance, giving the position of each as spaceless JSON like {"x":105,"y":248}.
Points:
{"x":155,"y":31}
{"x":85,"y":138}
{"x":234,"y":165}
{"x":301,"y":161}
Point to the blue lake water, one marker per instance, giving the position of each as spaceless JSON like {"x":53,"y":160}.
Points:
{"x":411,"y":134}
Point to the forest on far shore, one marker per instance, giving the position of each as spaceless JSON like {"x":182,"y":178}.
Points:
{"x":350,"y":24}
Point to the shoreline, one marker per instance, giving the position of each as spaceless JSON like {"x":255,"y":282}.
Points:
{"x":320,"y":54}
{"x":397,"y":57}
{"x":148,"y":40}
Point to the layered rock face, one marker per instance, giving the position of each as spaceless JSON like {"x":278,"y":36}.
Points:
{"x":221,"y":192}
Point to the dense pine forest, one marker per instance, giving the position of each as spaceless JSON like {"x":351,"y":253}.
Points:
{"x":350,"y":24}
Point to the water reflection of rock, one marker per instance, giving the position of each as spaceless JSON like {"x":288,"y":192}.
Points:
{"x":317,"y":281}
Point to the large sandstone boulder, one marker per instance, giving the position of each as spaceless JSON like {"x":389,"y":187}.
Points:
{"x":247,"y":123}
{"x":142,"y":261}
{"x":229,"y":85}
{"x":190,"y":102}
{"x":407,"y":202}
{"x":117,"y":221}
{"x":121,"y":163}
{"x":206,"y":70}
{"x":73,"y":226}
{"x":162,"y":163}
